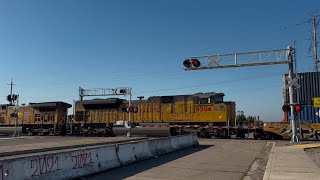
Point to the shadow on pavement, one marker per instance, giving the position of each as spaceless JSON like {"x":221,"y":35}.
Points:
{"x":138,"y":167}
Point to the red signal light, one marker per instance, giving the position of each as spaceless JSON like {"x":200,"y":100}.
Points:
{"x":297,"y":108}
{"x":132,"y":109}
{"x":196,"y":62}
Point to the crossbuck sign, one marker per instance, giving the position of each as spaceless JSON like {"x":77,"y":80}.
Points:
{"x":293,"y":82}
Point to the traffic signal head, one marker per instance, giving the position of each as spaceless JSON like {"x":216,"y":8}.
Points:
{"x":286,"y":108}
{"x":9,"y":98}
{"x":297,"y":108}
{"x":123,"y":91}
{"x":188,"y":63}
{"x":196,"y":63}
{"x":132,"y":109}
{"x":12,"y":97}
{"x":14,"y":115}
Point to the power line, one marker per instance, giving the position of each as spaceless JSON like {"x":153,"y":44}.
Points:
{"x":314,"y":21}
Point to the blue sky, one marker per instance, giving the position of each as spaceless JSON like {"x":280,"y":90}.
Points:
{"x":50,"y":48}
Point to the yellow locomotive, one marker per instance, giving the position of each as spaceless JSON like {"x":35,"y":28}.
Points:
{"x":36,"y":118}
{"x":199,"y":112}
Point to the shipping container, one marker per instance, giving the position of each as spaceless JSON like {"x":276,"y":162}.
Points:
{"x":309,"y":114}
{"x":310,"y":88}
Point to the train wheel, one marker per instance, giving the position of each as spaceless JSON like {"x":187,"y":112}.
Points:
{"x":223,"y":134}
{"x":202,"y":134}
{"x":208,"y":135}
{"x":174,"y":132}
{"x":25,"y":130}
{"x":241,"y":134}
{"x":257,"y":135}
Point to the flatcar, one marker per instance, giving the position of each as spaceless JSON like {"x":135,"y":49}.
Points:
{"x":283,"y":130}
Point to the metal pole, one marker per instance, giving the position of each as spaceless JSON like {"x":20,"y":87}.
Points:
{"x":129,"y":122}
{"x":11,"y":91}
{"x":228,"y":127}
{"x":315,"y":44}
{"x":295,"y":137}
{"x":18,"y":113}
{"x":80,"y":93}
{"x":298,"y":97}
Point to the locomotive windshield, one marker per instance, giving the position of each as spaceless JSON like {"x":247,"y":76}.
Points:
{"x":211,"y":100}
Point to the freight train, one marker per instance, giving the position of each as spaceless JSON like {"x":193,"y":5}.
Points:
{"x":206,"y":114}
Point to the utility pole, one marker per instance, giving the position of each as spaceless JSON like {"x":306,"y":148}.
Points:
{"x":315,"y":44}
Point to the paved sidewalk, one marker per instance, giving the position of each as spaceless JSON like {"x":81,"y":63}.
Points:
{"x":291,"y":162}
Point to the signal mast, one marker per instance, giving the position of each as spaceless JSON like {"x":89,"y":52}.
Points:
{"x":123,"y":91}
{"x":257,"y":58}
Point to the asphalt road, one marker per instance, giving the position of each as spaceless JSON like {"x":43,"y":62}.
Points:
{"x":212,"y":159}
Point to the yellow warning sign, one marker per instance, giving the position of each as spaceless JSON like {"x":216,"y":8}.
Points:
{"x":316,"y":102}
{"x":20,"y":114}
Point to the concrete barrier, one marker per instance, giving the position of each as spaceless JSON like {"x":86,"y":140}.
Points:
{"x":132,"y":152}
{"x":72,"y":163}
{"x":136,"y":151}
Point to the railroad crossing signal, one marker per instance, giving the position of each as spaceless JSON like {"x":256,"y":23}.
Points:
{"x":297,"y":108}
{"x":12,"y":98}
{"x":14,"y":115}
{"x":125,"y":91}
{"x":293,"y":82}
{"x":188,"y":63}
{"x":287,"y":108}
{"x":258,"y":58}
{"x":130,"y":109}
